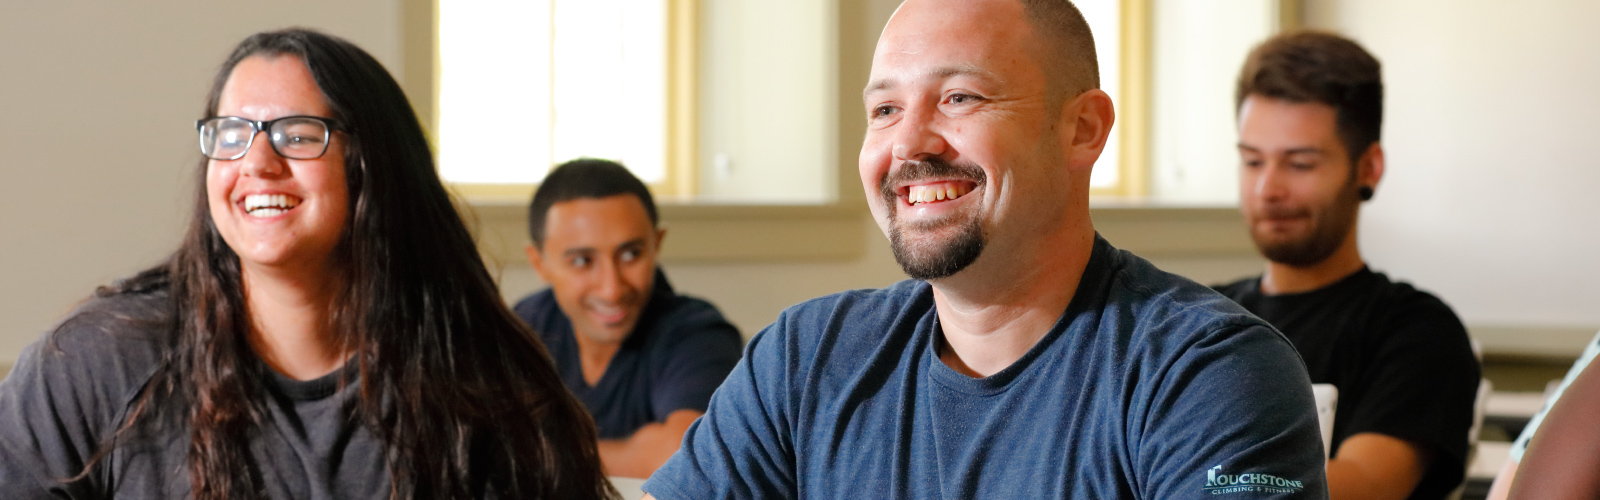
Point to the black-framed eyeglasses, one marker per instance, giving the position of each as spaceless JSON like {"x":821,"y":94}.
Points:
{"x":294,"y":137}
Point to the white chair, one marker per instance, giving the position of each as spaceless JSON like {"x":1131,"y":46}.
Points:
{"x":631,"y":488}
{"x":1327,"y":400}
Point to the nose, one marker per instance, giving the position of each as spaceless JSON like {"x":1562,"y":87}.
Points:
{"x":916,"y":137}
{"x":612,"y":288}
{"x":261,"y":160}
{"x":1269,"y":182}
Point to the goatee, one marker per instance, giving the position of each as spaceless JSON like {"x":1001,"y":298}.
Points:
{"x":933,"y":259}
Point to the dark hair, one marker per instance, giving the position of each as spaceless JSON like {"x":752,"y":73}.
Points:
{"x":1312,"y":66}
{"x":460,"y":391}
{"x":1070,"y":62}
{"x":584,"y":178}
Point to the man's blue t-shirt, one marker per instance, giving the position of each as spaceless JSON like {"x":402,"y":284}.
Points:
{"x":1149,"y":386}
{"x":678,"y":353}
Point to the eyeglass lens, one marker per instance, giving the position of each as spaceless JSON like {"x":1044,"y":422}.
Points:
{"x":229,"y":138}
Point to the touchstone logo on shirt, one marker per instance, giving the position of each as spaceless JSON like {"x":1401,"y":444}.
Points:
{"x":1218,"y":483}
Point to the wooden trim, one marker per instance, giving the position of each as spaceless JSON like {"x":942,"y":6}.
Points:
{"x":1136,"y":46}
{"x":1291,"y":15}
{"x":683,"y":106}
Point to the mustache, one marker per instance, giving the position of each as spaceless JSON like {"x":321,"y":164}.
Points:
{"x":1281,"y":212}
{"x":916,"y":170}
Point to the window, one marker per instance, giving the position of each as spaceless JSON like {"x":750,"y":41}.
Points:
{"x":732,"y":101}
{"x":1197,"y":49}
{"x":718,"y":111}
{"x":525,"y":85}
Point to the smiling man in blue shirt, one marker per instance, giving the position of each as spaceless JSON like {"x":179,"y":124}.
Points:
{"x":1028,"y":358}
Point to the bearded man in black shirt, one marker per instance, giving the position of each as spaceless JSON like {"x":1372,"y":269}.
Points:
{"x":1310,"y":106}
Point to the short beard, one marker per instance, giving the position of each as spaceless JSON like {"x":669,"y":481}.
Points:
{"x":934,"y":259}
{"x":1325,"y":238}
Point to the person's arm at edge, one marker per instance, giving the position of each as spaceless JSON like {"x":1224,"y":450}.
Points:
{"x":641,"y":454}
{"x":1565,"y":451}
{"x":1375,"y":466}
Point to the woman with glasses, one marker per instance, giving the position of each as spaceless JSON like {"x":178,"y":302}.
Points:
{"x":326,"y":329}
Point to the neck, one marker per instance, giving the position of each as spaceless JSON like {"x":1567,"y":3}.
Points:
{"x":994,"y":311}
{"x":291,"y":321}
{"x":1282,"y":278}
{"x":595,"y":357}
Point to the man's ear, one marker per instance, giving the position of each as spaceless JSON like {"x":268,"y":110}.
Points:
{"x":661,"y":234}
{"x":535,"y":259}
{"x":1369,"y":169}
{"x":1089,"y":117}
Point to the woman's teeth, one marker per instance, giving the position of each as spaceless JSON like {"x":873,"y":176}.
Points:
{"x":269,"y":205}
{"x":929,"y":193}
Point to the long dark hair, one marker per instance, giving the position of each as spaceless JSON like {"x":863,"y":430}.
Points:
{"x":461,"y":392}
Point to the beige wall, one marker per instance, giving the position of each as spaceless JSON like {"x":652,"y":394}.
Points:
{"x":96,"y":125}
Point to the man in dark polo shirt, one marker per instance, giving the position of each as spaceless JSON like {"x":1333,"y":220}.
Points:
{"x":643,"y":359}
{"x":1310,"y":107}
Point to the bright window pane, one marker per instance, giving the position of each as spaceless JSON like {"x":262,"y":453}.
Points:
{"x":1105,"y":21}
{"x":1199,"y":48}
{"x":525,"y":85}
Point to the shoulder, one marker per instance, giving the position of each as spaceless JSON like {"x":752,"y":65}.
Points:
{"x":851,"y":324}
{"x":1166,"y":301}
{"x":855,"y":310}
{"x":1403,"y":296}
{"x":1239,"y":289}
{"x":541,"y":312}
{"x":128,"y":328}
{"x":1177,"y":328}
{"x":688,"y":314}
{"x":682,"y":324}
{"x":1403,"y":308}
{"x":536,"y":306}
{"x":95,"y":360}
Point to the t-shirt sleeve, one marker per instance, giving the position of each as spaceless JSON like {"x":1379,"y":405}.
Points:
{"x":53,"y":418}
{"x":1424,"y":383}
{"x":743,"y":446}
{"x":705,"y":351}
{"x":1232,"y":418}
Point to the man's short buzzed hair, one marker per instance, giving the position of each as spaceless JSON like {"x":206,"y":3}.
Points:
{"x":584,"y":178}
{"x":1070,"y":64}
{"x":1312,"y":66}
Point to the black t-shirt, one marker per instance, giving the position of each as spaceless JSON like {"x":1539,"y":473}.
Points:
{"x":70,"y":391}
{"x":678,"y":353}
{"x":1399,"y":356}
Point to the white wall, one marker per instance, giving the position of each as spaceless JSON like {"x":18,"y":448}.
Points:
{"x":1198,"y":48}
{"x":767,"y":73}
{"x":1491,"y":116}
{"x":97,"y":106}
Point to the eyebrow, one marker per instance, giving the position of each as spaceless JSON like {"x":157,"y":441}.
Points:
{"x":940,"y":73}
{"x":1291,"y":151}
{"x":633,"y":243}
